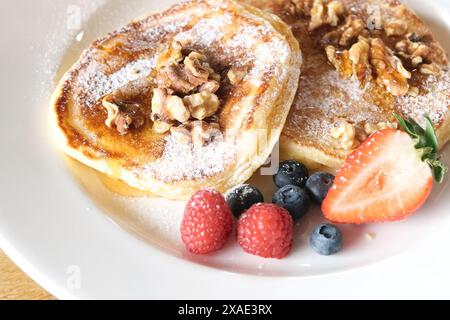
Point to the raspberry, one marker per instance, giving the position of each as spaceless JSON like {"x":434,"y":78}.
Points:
{"x":207,"y":222}
{"x":265,"y":230}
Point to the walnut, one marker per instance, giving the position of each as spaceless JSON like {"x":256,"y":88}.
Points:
{"x":184,"y":76}
{"x":346,"y":134}
{"x":430,"y":69}
{"x":353,"y":28}
{"x":397,"y":23}
{"x":198,"y":133}
{"x":325,"y":13}
{"x":340,"y":60}
{"x":168,"y":107}
{"x":373,"y":127}
{"x":202,"y":105}
{"x":175,"y":78}
{"x":197,"y":69}
{"x":210,"y":86}
{"x":300,"y":7}
{"x":204,"y":133}
{"x":389,"y":69}
{"x":346,"y":33}
{"x":161,"y":126}
{"x":236,"y":75}
{"x":172,"y":55}
{"x":122,"y":115}
{"x":395,"y":27}
{"x":176,"y":110}
{"x":186,"y":90}
{"x":359,"y":56}
{"x":413,"y":91}
{"x":182,"y":134}
{"x":416,"y":52}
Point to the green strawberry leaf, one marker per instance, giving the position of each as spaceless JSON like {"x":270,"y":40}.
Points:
{"x":427,"y":144}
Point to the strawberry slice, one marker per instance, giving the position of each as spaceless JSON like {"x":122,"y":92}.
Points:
{"x":387,"y":178}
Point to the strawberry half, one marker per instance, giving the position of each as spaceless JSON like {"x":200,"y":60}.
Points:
{"x":387,"y":178}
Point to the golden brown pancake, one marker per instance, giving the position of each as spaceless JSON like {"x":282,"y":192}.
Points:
{"x":229,"y":35}
{"x":332,"y":103}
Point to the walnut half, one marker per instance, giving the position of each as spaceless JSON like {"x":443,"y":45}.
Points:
{"x":325,"y":13}
{"x":389,"y":69}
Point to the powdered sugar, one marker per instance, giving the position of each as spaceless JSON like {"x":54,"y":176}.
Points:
{"x":435,"y":103}
{"x":93,"y":83}
{"x":185,"y":161}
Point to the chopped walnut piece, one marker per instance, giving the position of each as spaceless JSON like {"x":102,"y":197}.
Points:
{"x":161,"y":126}
{"x":176,"y":110}
{"x":171,"y":56}
{"x":359,"y":56}
{"x":430,"y":69}
{"x":351,"y":30}
{"x":181,"y":134}
{"x":236,"y":75}
{"x":396,"y":27}
{"x":203,"y":132}
{"x":123,"y":116}
{"x":347,"y":33}
{"x":210,"y":86}
{"x":186,"y":90}
{"x":113,"y":112}
{"x":198,"y":133}
{"x":175,"y":78}
{"x":300,"y":7}
{"x":346,"y":134}
{"x":397,"y":23}
{"x":325,"y":13}
{"x":373,"y":127}
{"x":180,"y":75}
{"x":168,"y":108}
{"x":202,"y":105}
{"x":340,"y":60}
{"x":416,"y":52}
{"x":389,"y":69}
{"x":413,"y":91}
{"x":197,"y":69}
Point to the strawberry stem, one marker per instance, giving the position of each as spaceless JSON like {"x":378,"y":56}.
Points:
{"x":426,"y":144}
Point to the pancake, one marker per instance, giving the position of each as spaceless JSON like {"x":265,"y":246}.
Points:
{"x":104,"y":109}
{"x":334,"y":111}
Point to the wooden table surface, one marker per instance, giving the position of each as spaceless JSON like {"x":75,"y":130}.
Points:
{"x":16,"y":285}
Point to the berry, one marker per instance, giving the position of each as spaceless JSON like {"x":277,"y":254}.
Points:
{"x":242,"y":197}
{"x":291,"y":172}
{"x":294,"y":199}
{"x":207,"y":222}
{"x":265,"y":230}
{"x":318,"y":186}
{"x":383,"y":180}
{"x":326,"y":239}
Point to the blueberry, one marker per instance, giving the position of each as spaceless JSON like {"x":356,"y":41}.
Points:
{"x":291,"y":172}
{"x":242,"y":197}
{"x":318,"y":185}
{"x":294,"y":199}
{"x":326,"y":239}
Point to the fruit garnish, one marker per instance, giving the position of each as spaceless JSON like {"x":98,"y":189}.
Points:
{"x":242,"y":197}
{"x":387,"y":178}
{"x":326,"y":239}
{"x":318,"y":186}
{"x":291,"y":172}
{"x":207,"y":222}
{"x":265,"y":230}
{"x":294,"y":199}
{"x":426,"y":144}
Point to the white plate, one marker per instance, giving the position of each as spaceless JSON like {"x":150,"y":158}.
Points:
{"x":61,"y":224}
